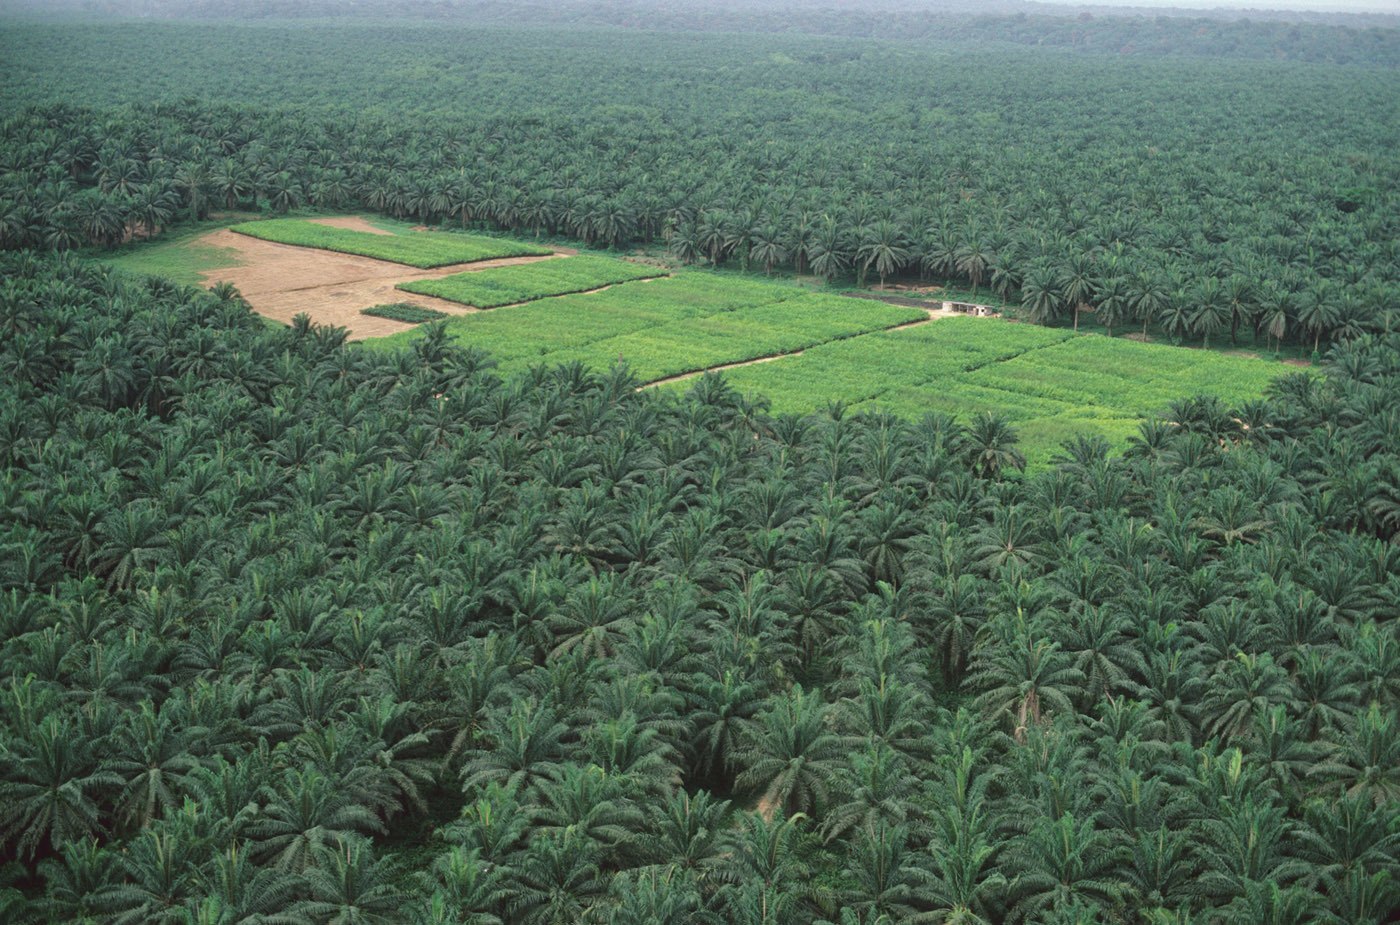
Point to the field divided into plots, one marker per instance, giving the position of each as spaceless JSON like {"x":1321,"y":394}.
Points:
{"x":422,"y":249}
{"x":510,"y":285}
{"x":1052,"y":384}
{"x":666,"y":327}
{"x":818,"y":348}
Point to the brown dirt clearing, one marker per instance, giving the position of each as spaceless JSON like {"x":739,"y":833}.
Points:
{"x":281,"y":281}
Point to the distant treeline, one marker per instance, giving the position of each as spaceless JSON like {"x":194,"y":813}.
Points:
{"x":1339,"y":38}
{"x":1202,"y":196}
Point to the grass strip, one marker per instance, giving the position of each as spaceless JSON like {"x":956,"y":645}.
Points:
{"x":511,"y":285}
{"x":422,"y":249}
{"x":404,"y":311}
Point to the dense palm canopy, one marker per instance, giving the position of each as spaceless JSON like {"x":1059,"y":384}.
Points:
{"x":296,"y":631}
{"x":1117,"y":688}
{"x":1186,"y":211}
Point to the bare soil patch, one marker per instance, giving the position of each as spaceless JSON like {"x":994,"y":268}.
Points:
{"x":281,"y":281}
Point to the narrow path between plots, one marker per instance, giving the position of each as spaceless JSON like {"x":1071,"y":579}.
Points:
{"x":933,"y":315}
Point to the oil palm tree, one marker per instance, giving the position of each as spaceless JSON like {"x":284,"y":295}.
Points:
{"x":789,"y":756}
{"x":50,"y":795}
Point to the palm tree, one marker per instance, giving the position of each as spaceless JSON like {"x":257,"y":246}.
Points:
{"x":473,"y":888}
{"x":789,"y":756}
{"x":154,"y":758}
{"x":974,"y":258}
{"x":883,"y":877}
{"x":240,"y":891}
{"x":1114,"y":304}
{"x":160,"y":869}
{"x":1022,"y":678}
{"x":1341,"y":838}
{"x":884,"y":247}
{"x":558,"y":881}
{"x":1243,"y":845}
{"x":77,"y":883}
{"x":939,"y":256}
{"x":1147,"y":296}
{"x":588,"y":803}
{"x":1317,"y":313}
{"x":1240,"y":294}
{"x":956,"y":612}
{"x":1366,"y":763}
{"x":1041,"y":295}
{"x":49,"y":796}
{"x":1248,"y":685}
{"x":1059,"y":862}
{"x":689,"y":834}
{"x":769,"y":247}
{"x":307,"y":815}
{"x":1213,"y":310}
{"x":768,"y":870}
{"x":991,"y":444}
{"x":723,"y":712}
{"x":1176,"y":313}
{"x":647,"y":899}
{"x":830,"y":251}
{"x":875,"y":793}
{"x":1276,"y":311}
{"x":348,"y":886}
{"x":1079,"y":284}
{"x":524,"y":745}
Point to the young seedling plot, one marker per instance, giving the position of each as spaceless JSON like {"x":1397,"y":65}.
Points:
{"x":283,"y":280}
{"x":423,"y":249}
{"x":406,"y":312}
{"x":1050,"y":383}
{"x":688,"y":322}
{"x":511,"y":285}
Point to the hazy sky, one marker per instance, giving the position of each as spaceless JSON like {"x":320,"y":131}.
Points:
{"x":1330,"y":6}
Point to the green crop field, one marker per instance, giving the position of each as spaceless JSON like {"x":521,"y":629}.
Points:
{"x":690,"y":321}
{"x":404,"y":311}
{"x":422,"y":249}
{"x":178,"y":255}
{"x":1050,"y":383}
{"x":509,"y":285}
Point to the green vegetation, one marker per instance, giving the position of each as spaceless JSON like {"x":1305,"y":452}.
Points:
{"x":1050,"y":384}
{"x":421,"y":249}
{"x":507,"y":285}
{"x":467,"y":627}
{"x":176,"y":255}
{"x":404,"y":311}
{"x":1213,"y":203}
{"x":382,"y":631}
{"x":680,"y":324}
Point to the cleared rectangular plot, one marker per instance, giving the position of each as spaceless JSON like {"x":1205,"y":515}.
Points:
{"x":526,"y":334}
{"x":1131,"y":377}
{"x":960,"y":398}
{"x":510,"y":285}
{"x":868,"y":367}
{"x":1052,"y":384}
{"x":422,"y":249}
{"x":741,"y":334}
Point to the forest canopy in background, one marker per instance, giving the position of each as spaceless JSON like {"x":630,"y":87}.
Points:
{"x":295,"y":631}
{"x":1265,"y":192}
